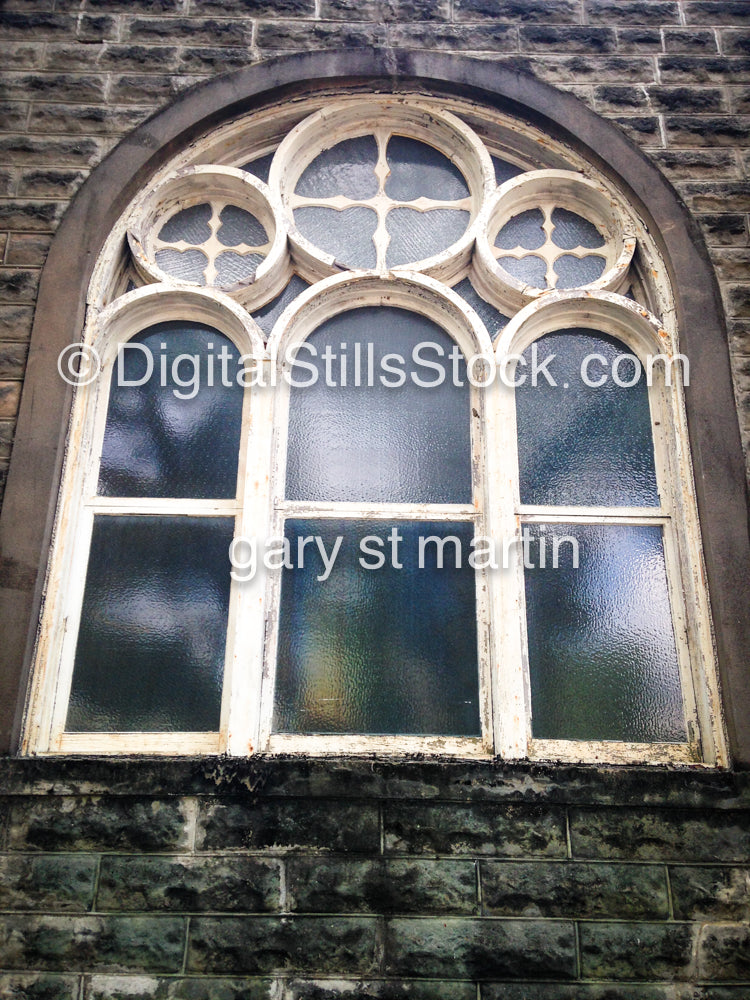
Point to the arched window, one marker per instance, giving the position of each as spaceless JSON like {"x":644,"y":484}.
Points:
{"x":386,"y":452}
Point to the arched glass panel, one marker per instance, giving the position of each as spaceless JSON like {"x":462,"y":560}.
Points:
{"x":174,"y":417}
{"x":586,"y":439}
{"x":362,"y":428}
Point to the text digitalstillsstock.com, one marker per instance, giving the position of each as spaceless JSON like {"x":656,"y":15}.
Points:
{"x":427,"y":366}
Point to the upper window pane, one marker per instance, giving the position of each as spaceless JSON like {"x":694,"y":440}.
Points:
{"x":374,"y":441}
{"x":579,"y":443}
{"x":173,"y":423}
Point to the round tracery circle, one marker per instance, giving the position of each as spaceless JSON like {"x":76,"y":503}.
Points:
{"x":381,"y":186}
{"x":211,"y":227}
{"x":550,"y":229}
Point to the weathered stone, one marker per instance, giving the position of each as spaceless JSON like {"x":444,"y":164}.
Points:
{"x":254,"y":8}
{"x":7,"y":431}
{"x":710,"y":893}
{"x":95,"y":28}
{"x":278,"y":36}
{"x":39,"y":986}
{"x":457,"y":947}
{"x":100,"y":987}
{"x":617,"y":97}
{"x":109,"y":56}
{"x":74,"y":119}
{"x":737,"y":299}
{"x":716,"y":11}
{"x":15,"y":322}
{"x":79,"y":88}
{"x":386,"y":10}
{"x":39,"y":25}
{"x":724,"y":952}
{"x":693,"y":70}
{"x":689,"y":40}
{"x":81,"y":824}
{"x":650,"y":835}
{"x":17,"y":285}
{"x":567,"y":38}
{"x":334,"y":885}
{"x":643,"y":128}
{"x":258,"y":945}
{"x":49,"y":183}
{"x":231,"y":824}
{"x":190,"y":31}
{"x":572,"y":889}
{"x":582,"y":69}
{"x":511,"y":831}
{"x":639,"y":40}
{"x":637,"y":951}
{"x":46,"y":883}
{"x":633,"y":12}
{"x":716,"y":196}
{"x":13,"y":115}
{"x":43,"y":216}
{"x":60,"y":151}
{"x":691,"y":163}
{"x":485,"y":37}
{"x":687,"y":99}
{"x":732,"y":265}
{"x":200,"y":59}
{"x":374,"y":989}
{"x":546,"y":11}
{"x":68,"y":943}
{"x":190,"y":884}
{"x":602,"y":991}
{"x":688,"y":130}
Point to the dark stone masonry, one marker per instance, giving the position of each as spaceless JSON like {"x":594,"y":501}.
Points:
{"x":328,"y":879}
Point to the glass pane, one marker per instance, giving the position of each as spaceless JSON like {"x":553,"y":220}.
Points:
{"x":572,"y":230}
{"x":267,"y":316}
{"x":347,"y":234}
{"x":260,"y":167}
{"x":602,"y":658}
{"x":186,"y":265}
{"x":504,"y":170}
{"x":420,"y":171}
{"x":232,"y":267}
{"x":347,"y":169}
{"x":417,"y":235}
{"x":166,"y":439}
{"x":375,"y":442}
{"x":530,"y":269}
{"x":492,"y":318}
{"x":523,"y":230}
{"x":238,"y":226}
{"x":580,"y":444}
{"x":380,"y":650}
{"x":150,"y":653}
{"x":574,"y":271}
{"x":190,"y":225}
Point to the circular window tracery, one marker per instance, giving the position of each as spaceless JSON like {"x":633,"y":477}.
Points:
{"x":382,"y":186}
{"x":211,"y":226}
{"x":551,"y":229}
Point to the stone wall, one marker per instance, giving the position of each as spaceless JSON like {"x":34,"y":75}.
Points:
{"x":333,"y":879}
{"x":80,"y":74}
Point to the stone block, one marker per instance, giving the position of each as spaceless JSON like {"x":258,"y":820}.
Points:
{"x":708,"y":130}
{"x":41,"y":216}
{"x":681,"y":164}
{"x":189,"y":31}
{"x":639,"y":40}
{"x":639,"y":951}
{"x":15,"y":322}
{"x":716,"y":12}
{"x":544,"y":11}
{"x":101,"y":987}
{"x":53,"y":883}
{"x":18,"y":285}
{"x":449,"y":38}
{"x":50,"y":183}
{"x":36,"y":150}
{"x":386,"y":10}
{"x":39,"y":986}
{"x":377,"y":989}
{"x":687,"y":100}
{"x":79,"y":119}
{"x":710,"y":893}
{"x":724,"y":952}
{"x":254,"y":8}
{"x":567,"y":38}
{"x":627,"y":12}
{"x":278,"y":35}
{"x":690,"y":40}
{"x":693,"y":70}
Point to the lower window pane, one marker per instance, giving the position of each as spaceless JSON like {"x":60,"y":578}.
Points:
{"x":602,"y":657}
{"x":150,"y":654}
{"x":385,"y":650}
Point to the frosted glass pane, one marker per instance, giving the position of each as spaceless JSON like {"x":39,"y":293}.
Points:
{"x":238,"y":226}
{"x":530,"y":269}
{"x":260,"y":167}
{"x":159,"y":445}
{"x":186,"y":265}
{"x":573,"y":271}
{"x":348,"y":169}
{"x":523,"y":230}
{"x":384,"y":650}
{"x":190,"y":224}
{"x":347,"y":234}
{"x":150,"y":653}
{"x":419,"y":171}
{"x":492,"y":318}
{"x":602,"y":658}
{"x":267,"y":316}
{"x":505,"y":170}
{"x":580,"y":444}
{"x":572,"y":230}
{"x":417,"y":235}
{"x":232,"y":267}
{"x":405,"y":444}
